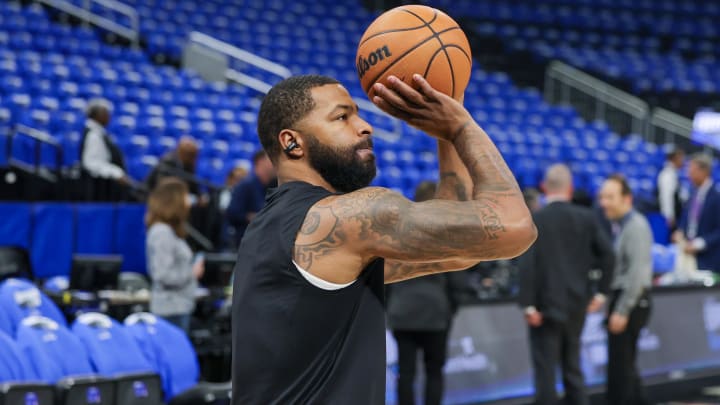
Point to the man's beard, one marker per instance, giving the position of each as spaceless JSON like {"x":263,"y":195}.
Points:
{"x":341,"y":167}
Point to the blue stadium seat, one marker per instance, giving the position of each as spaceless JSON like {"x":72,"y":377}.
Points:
{"x":52,"y":350}
{"x":110,"y":347}
{"x":20,"y":299}
{"x":168,"y":349}
{"x":14,"y":365}
{"x":114,"y":353}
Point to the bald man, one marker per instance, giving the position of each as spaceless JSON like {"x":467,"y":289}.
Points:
{"x":555,"y":288}
{"x":177,"y":163}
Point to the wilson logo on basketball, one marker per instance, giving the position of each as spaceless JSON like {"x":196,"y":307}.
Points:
{"x":364,"y":63}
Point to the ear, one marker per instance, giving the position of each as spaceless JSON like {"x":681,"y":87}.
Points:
{"x":291,"y":144}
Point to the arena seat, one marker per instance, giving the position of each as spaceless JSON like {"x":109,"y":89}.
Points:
{"x":53,"y":351}
{"x":57,"y":357}
{"x":20,"y":299}
{"x":168,"y":349}
{"x":14,"y":365}
{"x":114,"y":353}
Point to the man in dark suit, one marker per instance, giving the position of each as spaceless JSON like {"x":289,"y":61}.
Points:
{"x":180,"y":163}
{"x":555,"y":286}
{"x":700,"y":222}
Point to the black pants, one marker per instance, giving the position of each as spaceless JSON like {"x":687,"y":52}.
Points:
{"x":558,"y":343}
{"x":624,"y":385}
{"x":434,"y":347}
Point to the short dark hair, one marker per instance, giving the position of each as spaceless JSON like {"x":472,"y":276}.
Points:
{"x":625,"y":189}
{"x":284,"y":105}
{"x":258,"y":155}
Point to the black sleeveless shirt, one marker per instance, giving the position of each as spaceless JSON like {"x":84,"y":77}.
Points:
{"x":294,"y":343}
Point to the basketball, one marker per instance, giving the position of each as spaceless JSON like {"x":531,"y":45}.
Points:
{"x":415,"y":39}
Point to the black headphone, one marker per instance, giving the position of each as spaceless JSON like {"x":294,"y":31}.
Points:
{"x":292,"y":145}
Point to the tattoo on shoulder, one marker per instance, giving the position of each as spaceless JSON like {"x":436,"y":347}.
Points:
{"x":318,"y":235}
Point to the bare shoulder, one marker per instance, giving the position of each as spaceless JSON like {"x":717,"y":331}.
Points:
{"x":338,"y":224}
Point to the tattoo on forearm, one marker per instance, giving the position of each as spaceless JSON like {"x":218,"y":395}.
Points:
{"x":487,"y":167}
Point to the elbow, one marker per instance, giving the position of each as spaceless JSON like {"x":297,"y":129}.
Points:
{"x":522,"y":235}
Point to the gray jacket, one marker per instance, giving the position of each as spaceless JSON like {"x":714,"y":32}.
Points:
{"x":633,"y":261}
{"x":169,"y":262}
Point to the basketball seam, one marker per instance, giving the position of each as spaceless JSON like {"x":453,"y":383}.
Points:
{"x":427,"y":69}
{"x":442,"y":47}
{"x":461,"y":50}
{"x":399,"y":58}
{"x":377,"y":34}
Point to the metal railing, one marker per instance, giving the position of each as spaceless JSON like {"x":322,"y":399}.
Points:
{"x":131,"y":33}
{"x":598,"y":99}
{"x":665,"y":126}
{"x":40,"y":137}
{"x":232,"y":52}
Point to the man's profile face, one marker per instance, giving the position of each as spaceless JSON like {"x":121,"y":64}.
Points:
{"x":613,"y":203}
{"x":338,"y":142}
{"x":696,"y":174}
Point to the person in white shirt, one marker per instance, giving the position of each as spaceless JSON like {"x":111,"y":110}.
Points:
{"x":668,"y":186}
{"x":100,"y":156}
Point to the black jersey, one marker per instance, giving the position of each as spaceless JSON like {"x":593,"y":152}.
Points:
{"x":294,"y":343}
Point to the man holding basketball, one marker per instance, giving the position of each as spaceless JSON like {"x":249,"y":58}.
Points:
{"x":308,"y":299}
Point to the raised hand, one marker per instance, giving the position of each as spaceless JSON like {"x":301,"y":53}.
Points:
{"x":423,"y":107}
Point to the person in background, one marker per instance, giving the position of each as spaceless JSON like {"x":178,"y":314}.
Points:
{"x":99,"y":155}
{"x":169,"y":258}
{"x":420,"y":312}
{"x":629,"y":308}
{"x":700,"y":222}
{"x":178,"y":163}
{"x":668,"y":187}
{"x":235,"y":176}
{"x":555,"y":287}
{"x":248,"y":197}
{"x":532,"y":199}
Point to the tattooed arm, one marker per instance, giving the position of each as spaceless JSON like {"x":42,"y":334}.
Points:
{"x":455,"y":184}
{"x":355,"y":228}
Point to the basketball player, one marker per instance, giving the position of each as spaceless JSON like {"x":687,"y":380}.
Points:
{"x":308,"y":303}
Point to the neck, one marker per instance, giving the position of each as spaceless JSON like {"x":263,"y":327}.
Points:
{"x":288,"y":172}
{"x":557,"y":196}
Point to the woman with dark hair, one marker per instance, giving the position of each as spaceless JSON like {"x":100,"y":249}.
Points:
{"x":169,"y":258}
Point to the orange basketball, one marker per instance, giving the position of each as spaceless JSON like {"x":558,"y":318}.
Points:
{"x":415,"y":39}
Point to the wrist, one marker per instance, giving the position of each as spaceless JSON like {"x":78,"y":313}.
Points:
{"x":458,"y":132}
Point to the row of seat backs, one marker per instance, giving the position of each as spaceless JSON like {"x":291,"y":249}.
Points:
{"x":95,"y":343}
